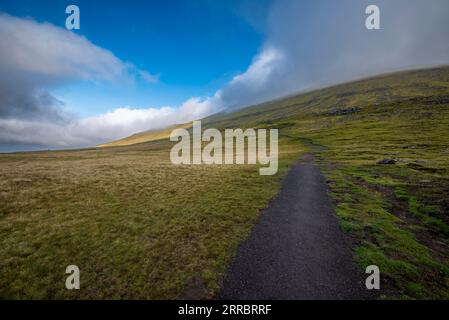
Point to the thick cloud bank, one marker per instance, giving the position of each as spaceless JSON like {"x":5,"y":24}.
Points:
{"x":94,"y":130}
{"x":308,"y":44}
{"x":36,"y":57}
{"x":315,"y":43}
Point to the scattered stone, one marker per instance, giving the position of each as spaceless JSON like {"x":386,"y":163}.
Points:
{"x":343,"y":112}
{"x":431,"y":100}
{"x":195,"y":289}
{"x":387,"y":161}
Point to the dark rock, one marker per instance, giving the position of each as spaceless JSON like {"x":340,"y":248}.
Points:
{"x":431,"y":100}
{"x":343,"y":112}
{"x":387,"y":161}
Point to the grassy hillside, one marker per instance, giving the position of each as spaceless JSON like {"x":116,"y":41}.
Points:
{"x":397,"y":214}
{"x":139,"y":227}
{"x":146,"y":136}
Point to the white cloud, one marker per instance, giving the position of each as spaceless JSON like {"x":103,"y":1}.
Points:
{"x":307,"y":45}
{"x":123,"y":122}
{"x":260,"y":69}
{"x":325,"y":42}
{"x":112,"y":125}
{"x":36,"y":57}
{"x":148,"y":77}
{"x":54,"y":53}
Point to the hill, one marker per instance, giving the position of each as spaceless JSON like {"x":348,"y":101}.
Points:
{"x":140,"y":227}
{"x":146,"y":136}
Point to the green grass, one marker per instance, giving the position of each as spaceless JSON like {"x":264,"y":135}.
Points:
{"x":139,"y":227}
{"x":136,"y":225}
{"x":397,"y":215}
{"x":386,"y":239}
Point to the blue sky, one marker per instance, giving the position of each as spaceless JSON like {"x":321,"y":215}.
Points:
{"x":64,"y":89}
{"x":194,"y":46}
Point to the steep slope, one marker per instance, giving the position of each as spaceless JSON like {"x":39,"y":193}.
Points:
{"x":398,"y":213}
{"x":141,"y":227}
{"x":146,"y":136}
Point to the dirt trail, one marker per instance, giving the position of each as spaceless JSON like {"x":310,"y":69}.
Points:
{"x":296,"y":250}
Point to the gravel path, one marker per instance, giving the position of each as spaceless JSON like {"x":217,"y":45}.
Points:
{"x":296,"y":250}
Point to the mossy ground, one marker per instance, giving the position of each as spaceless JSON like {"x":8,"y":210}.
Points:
{"x":139,"y":227}
{"x":398,"y":215}
{"x":136,"y":225}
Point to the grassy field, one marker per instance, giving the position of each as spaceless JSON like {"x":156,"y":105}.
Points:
{"x":139,"y":227}
{"x":136,"y":225}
